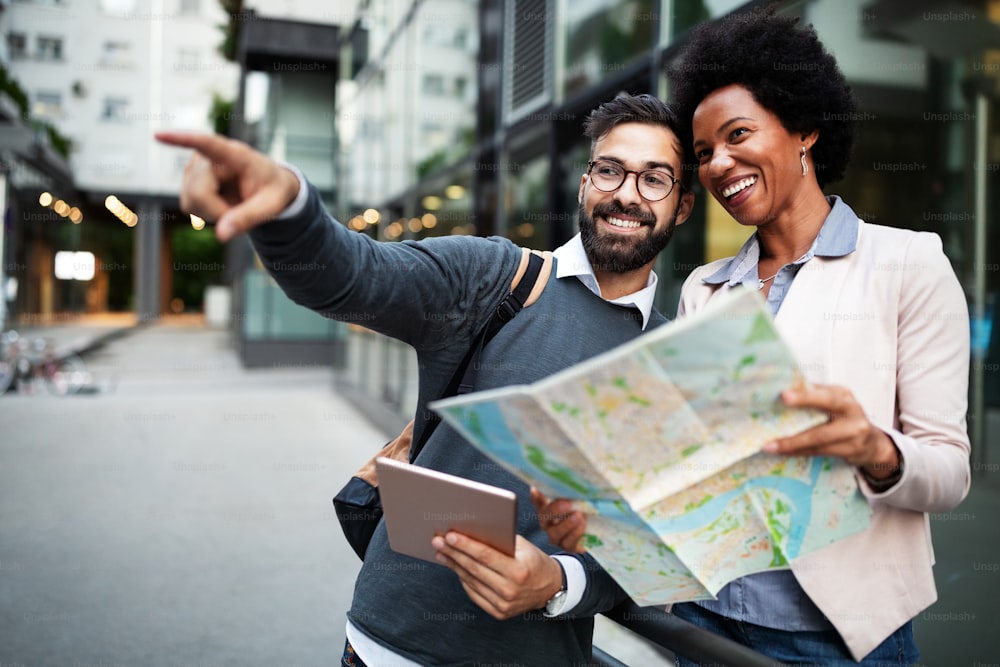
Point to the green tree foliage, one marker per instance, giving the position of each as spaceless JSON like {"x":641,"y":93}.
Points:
{"x":231,"y":30}
{"x":198,"y":261}
{"x":221,"y":114}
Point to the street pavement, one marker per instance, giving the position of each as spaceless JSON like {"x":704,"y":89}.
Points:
{"x":180,"y":515}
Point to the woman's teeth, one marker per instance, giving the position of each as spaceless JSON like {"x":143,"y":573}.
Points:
{"x":742,"y":184}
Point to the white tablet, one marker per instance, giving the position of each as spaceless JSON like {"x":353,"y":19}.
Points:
{"x":419,"y":503}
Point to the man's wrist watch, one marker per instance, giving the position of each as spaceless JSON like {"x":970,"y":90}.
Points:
{"x":557,"y":601}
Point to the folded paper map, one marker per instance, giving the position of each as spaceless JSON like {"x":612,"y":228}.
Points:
{"x":659,"y":443}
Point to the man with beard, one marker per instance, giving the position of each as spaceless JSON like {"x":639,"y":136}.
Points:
{"x":436,"y":295}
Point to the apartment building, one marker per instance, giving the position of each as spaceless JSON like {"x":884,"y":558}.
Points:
{"x":108,"y":74}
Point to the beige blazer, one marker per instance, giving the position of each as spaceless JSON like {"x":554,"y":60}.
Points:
{"x":890,"y":322}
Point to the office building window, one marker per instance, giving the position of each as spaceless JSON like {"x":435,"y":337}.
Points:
{"x":115,"y":110}
{"x":528,"y":215}
{"x":48,"y":104}
{"x":449,"y":36}
{"x":438,"y":34}
{"x":433,"y":136}
{"x":17,"y":45}
{"x":116,"y":54}
{"x":603,"y":37}
{"x":49,"y":48}
{"x":433,"y":84}
{"x":687,"y":15}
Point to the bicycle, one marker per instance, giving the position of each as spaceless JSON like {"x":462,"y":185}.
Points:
{"x":23,"y":362}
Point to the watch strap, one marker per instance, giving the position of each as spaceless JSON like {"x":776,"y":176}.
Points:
{"x":557,"y":601}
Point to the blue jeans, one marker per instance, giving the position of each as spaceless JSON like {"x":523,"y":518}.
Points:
{"x":804,"y":648}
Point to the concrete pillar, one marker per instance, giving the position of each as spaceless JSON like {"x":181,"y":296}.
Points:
{"x":147,"y":253}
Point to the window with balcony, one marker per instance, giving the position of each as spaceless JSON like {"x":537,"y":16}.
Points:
{"x":48,"y":104}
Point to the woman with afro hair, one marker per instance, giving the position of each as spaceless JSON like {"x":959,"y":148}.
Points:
{"x":876,"y":319}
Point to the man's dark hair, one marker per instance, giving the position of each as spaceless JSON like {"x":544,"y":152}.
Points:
{"x":785,"y":68}
{"x":647,"y":109}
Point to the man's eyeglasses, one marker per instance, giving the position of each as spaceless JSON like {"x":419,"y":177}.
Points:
{"x":653,"y":184}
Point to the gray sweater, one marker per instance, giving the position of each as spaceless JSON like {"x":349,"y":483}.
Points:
{"x":436,"y":295}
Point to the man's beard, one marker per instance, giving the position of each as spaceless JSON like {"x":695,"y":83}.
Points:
{"x":622,"y":253}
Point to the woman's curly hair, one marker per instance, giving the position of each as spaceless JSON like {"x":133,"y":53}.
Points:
{"x":787,"y":70}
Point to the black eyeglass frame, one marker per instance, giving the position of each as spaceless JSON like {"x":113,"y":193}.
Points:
{"x":625,"y":175}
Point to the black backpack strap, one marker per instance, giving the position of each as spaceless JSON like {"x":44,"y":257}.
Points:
{"x":464,"y":379}
{"x":514,"y":301}
{"x":512,"y":304}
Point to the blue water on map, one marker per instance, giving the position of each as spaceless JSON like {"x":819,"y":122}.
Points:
{"x":797,"y":492}
{"x":503,"y":446}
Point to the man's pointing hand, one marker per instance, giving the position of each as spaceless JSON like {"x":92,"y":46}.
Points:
{"x":228,"y":182}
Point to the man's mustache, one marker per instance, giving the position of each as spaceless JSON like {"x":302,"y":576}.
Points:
{"x":612,"y":208}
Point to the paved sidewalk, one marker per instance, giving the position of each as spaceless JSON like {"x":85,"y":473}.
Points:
{"x":182,"y":517}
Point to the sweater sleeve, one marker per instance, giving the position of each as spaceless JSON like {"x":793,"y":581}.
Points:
{"x":430,"y":294}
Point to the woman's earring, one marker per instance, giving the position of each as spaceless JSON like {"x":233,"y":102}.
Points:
{"x":802,"y":159}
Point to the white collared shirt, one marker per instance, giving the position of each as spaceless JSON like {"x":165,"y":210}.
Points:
{"x":573,"y":261}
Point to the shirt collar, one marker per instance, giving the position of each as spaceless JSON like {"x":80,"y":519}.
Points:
{"x":837,"y":237}
{"x":572,"y":260}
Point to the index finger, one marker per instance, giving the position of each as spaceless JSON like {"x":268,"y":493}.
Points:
{"x":469,"y":546}
{"x":827,"y":397}
{"x":479,"y":560}
{"x":538,"y":499}
{"x":213,"y":146}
